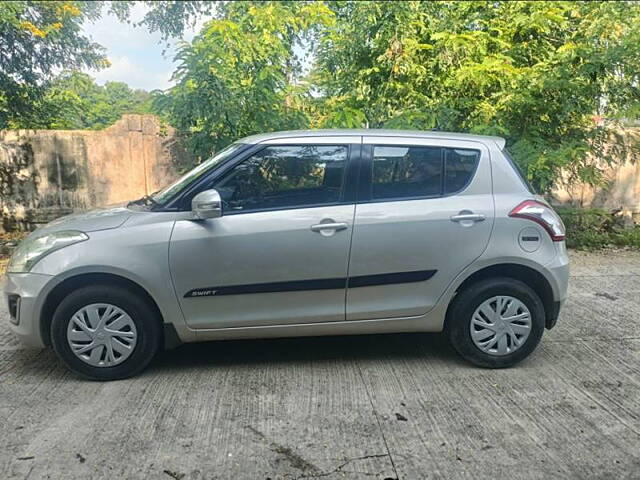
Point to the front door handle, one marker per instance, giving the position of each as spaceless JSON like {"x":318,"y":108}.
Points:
{"x":329,"y":226}
{"x":468,"y":217}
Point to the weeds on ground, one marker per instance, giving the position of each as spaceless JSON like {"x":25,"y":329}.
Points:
{"x":590,"y":229}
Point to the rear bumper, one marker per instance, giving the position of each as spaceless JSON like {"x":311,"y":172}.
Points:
{"x":558,"y":276}
{"x":22,"y":295}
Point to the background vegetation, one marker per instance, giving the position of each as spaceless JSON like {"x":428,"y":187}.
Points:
{"x":596,"y":228}
{"x":537,"y":73}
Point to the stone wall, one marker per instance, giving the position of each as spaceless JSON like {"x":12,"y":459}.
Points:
{"x":48,"y":173}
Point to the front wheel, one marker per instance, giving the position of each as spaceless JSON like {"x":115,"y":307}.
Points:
{"x":496,"y":322}
{"x":104,"y":332}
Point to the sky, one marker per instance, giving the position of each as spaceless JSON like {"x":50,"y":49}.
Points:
{"x":135,"y":54}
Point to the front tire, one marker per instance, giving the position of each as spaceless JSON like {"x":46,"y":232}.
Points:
{"x":496,"y":322}
{"x":104,"y":332}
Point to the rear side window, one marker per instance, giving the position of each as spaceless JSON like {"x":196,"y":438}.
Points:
{"x":406,"y":172}
{"x":412,"y":172}
{"x":459,"y":167}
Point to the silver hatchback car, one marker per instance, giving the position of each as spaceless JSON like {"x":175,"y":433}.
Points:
{"x":301,"y":233}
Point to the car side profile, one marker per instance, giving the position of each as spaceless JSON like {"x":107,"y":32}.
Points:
{"x":302,"y":233}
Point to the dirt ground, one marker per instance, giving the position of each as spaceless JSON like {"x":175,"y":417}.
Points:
{"x":369,"y":407}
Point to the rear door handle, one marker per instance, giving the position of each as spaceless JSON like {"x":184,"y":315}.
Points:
{"x":468,"y":217}
{"x":329,"y":226}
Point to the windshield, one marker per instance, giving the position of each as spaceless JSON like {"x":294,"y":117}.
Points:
{"x":168,"y":192}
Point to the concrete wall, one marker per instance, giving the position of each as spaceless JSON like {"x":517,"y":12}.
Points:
{"x":48,"y":173}
{"x":622,"y":188}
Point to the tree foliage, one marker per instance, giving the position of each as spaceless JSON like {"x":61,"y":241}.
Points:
{"x":74,"y":101}
{"x":534,"y":72}
{"x":36,"y":39}
{"x":238,"y":75}
{"x":169,"y":18}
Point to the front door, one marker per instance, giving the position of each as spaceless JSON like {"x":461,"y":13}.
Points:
{"x":279,"y":254}
{"x":426,"y":213}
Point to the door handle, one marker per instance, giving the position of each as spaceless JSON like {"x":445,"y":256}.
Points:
{"x":328,"y":226}
{"x":468,"y":217}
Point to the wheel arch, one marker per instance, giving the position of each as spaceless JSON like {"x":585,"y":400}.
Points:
{"x":68,"y":285}
{"x":530,"y":276}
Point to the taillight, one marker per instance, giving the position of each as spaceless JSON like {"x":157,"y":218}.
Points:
{"x":543,"y":215}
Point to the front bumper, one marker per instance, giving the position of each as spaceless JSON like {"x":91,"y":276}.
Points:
{"x":23,"y":296}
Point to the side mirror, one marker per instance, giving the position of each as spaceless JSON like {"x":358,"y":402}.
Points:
{"x":207,"y":204}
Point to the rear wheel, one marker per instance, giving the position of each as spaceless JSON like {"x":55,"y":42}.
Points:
{"x":104,"y":332}
{"x":496,"y":322}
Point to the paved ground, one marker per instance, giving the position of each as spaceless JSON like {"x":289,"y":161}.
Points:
{"x":389,"y":406}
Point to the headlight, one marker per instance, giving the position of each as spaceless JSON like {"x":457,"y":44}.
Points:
{"x":31,"y":250}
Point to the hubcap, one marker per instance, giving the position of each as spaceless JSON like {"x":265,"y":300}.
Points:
{"x":102,"y":335}
{"x":500,"y":325}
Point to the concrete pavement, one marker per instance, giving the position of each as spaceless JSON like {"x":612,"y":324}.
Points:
{"x":369,"y":407}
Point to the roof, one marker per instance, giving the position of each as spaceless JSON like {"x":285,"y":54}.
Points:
{"x":253,"y":139}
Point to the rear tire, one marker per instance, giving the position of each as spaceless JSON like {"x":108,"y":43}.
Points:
{"x":138,"y":336}
{"x":499,"y":342}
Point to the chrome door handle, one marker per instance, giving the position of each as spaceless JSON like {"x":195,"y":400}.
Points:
{"x":328,"y":226}
{"x":468,"y":217}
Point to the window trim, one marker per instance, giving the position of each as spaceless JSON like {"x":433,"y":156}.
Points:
{"x":365,"y":193}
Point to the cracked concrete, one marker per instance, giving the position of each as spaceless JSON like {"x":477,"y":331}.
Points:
{"x":369,"y":407}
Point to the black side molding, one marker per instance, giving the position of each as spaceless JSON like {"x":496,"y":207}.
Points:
{"x":319,"y":284}
{"x":390,"y":278}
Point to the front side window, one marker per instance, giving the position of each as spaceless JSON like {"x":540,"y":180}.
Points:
{"x":192,"y":176}
{"x":412,"y":172}
{"x":285,"y":177}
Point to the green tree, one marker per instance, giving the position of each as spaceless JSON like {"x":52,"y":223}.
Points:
{"x":239,"y":75}
{"x":37,"y":38}
{"x":74,"y":101}
{"x":169,"y":18}
{"x":40,"y":38}
{"x":534,"y":72}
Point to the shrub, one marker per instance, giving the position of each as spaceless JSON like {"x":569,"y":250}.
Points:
{"x":596,"y":228}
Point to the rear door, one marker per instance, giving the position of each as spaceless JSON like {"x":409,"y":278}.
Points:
{"x":425,"y":212}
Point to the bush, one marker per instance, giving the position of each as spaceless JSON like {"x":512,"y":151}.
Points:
{"x":596,"y":228}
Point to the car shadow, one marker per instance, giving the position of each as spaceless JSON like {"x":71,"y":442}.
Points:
{"x":306,"y":349}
